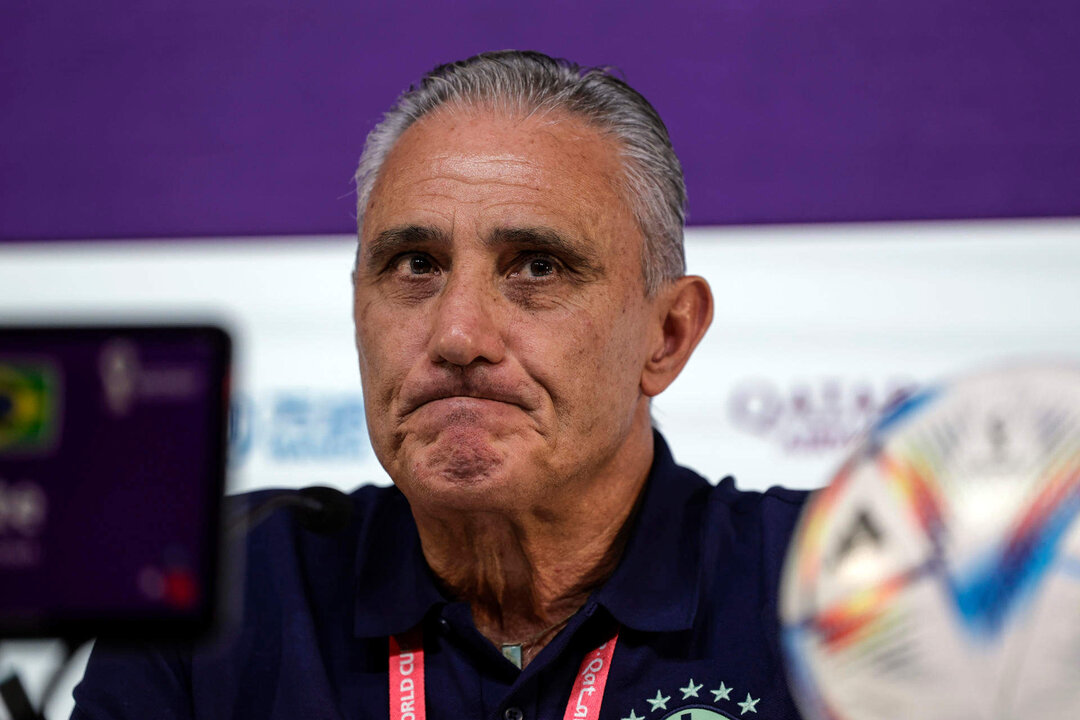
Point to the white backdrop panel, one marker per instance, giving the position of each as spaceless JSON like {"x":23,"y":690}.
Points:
{"x":815,"y":326}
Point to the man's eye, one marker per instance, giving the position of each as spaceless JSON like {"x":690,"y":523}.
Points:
{"x":415,"y":264}
{"x":539,"y":267}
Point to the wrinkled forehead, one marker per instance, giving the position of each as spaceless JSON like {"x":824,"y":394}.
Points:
{"x":552,"y":165}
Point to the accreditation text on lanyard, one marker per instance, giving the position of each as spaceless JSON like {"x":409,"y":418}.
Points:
{"x":407,"y":679}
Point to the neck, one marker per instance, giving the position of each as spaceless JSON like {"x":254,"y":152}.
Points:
{"x":526,"y":572}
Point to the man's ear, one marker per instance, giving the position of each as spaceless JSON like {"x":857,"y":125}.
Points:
{"x":686,"y":310}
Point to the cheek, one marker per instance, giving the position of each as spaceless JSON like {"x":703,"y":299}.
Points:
{"x":365,"y":348}
{"x":589,"y":363}
{"x":622,"y":357}
{"x":383,"y":346}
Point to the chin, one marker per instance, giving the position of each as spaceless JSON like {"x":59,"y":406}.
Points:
{"x":462,"y":471}
{"x":465,"y":458}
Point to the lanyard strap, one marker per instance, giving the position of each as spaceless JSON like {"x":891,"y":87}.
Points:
{"x":407,"y":679}
{"x":407,"y":676}
{"x":588,"y":693}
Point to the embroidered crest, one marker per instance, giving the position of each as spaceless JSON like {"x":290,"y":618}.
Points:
{"x":668,"y":705}
{"x":697,"y":713}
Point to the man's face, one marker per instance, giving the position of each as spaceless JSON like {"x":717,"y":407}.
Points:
{"x":501,"y":318}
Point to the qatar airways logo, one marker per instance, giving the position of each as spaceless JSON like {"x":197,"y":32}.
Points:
{"x":810,"y":416}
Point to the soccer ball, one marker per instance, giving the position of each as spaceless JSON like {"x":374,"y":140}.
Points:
{"x":938,"y":576}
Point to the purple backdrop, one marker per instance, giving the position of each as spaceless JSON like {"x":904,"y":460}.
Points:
{"x":237,"y":117}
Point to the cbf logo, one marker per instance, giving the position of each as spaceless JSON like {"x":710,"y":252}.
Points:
{"x":697,"y":702}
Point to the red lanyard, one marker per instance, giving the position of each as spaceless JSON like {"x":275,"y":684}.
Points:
{"x":407,"y":676}
{"x":407,"y":679}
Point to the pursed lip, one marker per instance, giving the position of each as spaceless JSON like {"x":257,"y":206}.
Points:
{"x":448,"y":390}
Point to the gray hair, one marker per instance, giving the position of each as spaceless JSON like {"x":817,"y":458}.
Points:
{"x":533,"y":83}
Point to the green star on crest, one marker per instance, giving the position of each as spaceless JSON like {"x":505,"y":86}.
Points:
{"x":691,"y":690}
{"x":659,"y":703}
{"x":721,"y":693}
{"x":749,"y":705}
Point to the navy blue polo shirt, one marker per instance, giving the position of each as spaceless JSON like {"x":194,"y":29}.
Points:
{"x":694,"y":600}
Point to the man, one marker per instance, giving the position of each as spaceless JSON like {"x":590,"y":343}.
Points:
{"x":519,"y":299}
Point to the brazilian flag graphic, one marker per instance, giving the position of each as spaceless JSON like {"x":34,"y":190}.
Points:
{"x":29,"y":406}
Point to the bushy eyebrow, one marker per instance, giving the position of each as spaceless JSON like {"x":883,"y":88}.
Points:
{"x":580,"y":257}
{"x":394,"y":240}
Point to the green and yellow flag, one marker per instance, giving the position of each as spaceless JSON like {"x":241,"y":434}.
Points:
{"x":29,"y":406}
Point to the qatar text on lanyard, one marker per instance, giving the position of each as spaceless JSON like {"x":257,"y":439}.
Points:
{"x":407,"y":679}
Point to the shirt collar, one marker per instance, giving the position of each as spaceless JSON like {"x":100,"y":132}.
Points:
{"x":656,"y":584}
{"x":654,"y":588}
{"x":395,"y":589}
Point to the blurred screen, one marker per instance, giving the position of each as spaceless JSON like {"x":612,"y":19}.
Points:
{"x":112,"y":444}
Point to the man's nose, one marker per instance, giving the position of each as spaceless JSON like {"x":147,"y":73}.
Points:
{"x":466,"y":326}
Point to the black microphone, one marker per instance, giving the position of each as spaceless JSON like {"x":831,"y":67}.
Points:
{"x":322,"y":510}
